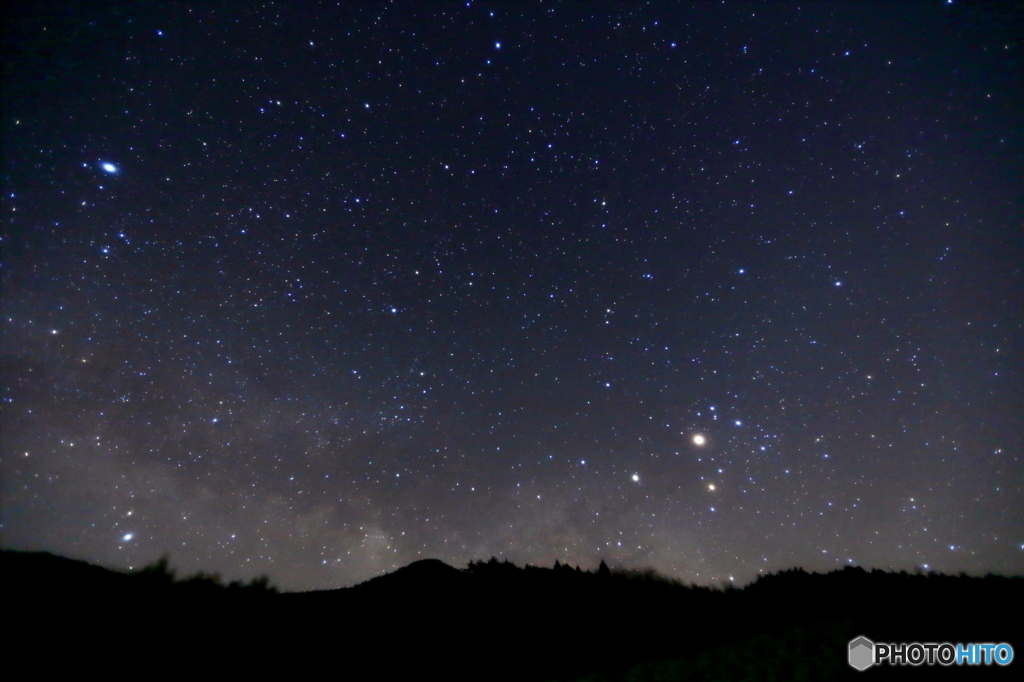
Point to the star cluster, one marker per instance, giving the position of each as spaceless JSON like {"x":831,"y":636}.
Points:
{"x":318,"y":290}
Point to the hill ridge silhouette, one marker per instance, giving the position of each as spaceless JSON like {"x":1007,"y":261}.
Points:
{"x":517,"y":622}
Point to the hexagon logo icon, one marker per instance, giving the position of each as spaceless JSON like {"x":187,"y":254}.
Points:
{"x":862,"y":653}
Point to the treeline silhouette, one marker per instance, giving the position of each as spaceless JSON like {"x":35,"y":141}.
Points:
{"x":44,"y":573}
{"x":159,"y":575}
{"x":496,"y":620}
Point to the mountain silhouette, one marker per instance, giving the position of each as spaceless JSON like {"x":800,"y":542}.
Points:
{"x":417,"y":576}
{"x":495,"y":620}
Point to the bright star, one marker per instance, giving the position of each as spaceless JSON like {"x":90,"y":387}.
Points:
{"x":636,"y":478}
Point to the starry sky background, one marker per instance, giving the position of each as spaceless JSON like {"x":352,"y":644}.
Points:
{"x":318,"y":290}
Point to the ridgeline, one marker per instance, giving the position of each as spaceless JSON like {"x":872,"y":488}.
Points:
{"x":496,"y":621}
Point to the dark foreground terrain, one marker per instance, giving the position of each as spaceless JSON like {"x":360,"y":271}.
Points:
{"x":494,"y":621}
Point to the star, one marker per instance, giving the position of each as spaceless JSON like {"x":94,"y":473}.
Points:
{"x":373,"y":275}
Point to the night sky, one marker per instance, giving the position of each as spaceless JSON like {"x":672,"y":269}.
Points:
{"x":318,"y":290}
